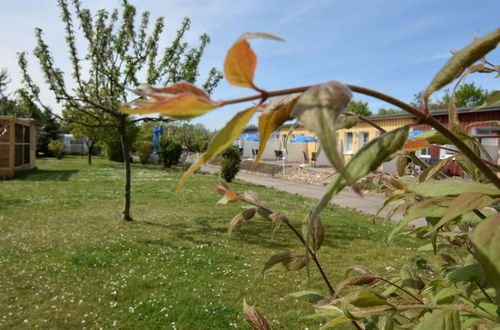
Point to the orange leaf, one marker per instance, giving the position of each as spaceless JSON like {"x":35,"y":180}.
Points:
{"x":181,"y":106}
{"x":181,"y":87}
{"x":240,"y":64}
{"x":416,"y":144}
{"x":241,"y":61}
{"x":232,"y":195}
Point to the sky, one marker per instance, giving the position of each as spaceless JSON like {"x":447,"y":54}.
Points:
{"x":393,"y":46}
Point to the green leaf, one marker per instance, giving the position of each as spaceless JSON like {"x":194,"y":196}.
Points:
{"x":445,"y":296}
{"x":469,"y":167}
{"x":221,"y":141}
{"x":309,"y":296}
{"x":319,"y":108}
{"x":367,"y":298}
{"x":433,"y":207}
{"x":431,"y":171}
{"x":486,"y":242}
{"x":462,"y":204}
{"x":453,"y":187}
{"x":277,"y":112}
{"x":368,"y":159}
{"x":461,"y":60}
{"x":446,"y":319}
{"x":433,"y":136}
{"x":410,"y":279}
{"x":486,"y":122}
{"x":492,"y":99}
{"x":385,"y":323}
{"x":290,"y":260}
{"x":336,"y":321}
{"x":468,"y":273}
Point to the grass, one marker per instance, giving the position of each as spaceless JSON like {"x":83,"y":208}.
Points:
{"x":67,"y":260}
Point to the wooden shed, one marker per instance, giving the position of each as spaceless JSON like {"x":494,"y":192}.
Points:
{"x":17,"y":145}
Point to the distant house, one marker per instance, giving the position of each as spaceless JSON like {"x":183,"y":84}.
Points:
{"x":17,"y":145}
{"x":72,"y":145}
{"x":352,"y":139}
{"x":487,"y":132}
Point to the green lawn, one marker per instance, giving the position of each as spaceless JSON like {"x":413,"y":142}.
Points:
{"x":67,"y":261}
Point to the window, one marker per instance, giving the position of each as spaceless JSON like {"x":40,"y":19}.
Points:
{"x":348,"y":143}
{"x":363,"y":139}
{"x":447,"y":153}
{"x":424,"y":153}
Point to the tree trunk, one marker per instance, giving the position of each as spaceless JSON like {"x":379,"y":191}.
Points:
{"x":126,"y":162}
{"x":91,"y":147}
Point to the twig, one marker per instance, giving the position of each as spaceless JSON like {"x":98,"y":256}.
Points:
{"x":302,"y":240}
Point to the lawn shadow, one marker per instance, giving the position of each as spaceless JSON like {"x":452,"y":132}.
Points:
{"x":46,"y":175}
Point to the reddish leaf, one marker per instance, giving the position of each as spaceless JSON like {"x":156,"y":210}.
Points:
{"x":232,"y":195}
{"x":241,"y":61}
{"x":182,"y":100}
{"x":181,"y":106}
{"x":416,"y":144}
{"x":181,"y":87}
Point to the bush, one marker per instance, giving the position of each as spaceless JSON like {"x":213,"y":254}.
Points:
{"x":169,"y":151}
{"x":230,"y":163}
{"x":113,"y":143}
{"x":57,"y":148}
{"x":144,"y":149}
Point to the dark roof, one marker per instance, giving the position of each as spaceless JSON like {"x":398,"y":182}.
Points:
{"x":438,"y":112}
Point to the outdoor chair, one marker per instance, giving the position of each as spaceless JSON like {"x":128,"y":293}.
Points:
{"x":314,"y":158}
{"x":306,"y":159}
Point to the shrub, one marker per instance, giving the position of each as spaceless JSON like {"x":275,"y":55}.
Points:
{"x":57,"y":148}
{"x":170,"y":151}
{"x":230,"y":163}
{"x":144,"y":149}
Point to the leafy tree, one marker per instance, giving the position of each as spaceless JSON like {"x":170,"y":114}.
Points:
{"x":194,"y":137}
{"x":120,"y":51}
{"x":89,"y":130}
{"x":466,"y":95}
{"x":170,"y":151}
{"x":230,"y":161}
{"x":383,"y":111}
{"x":144,"y":149}
{"x":359,"y":107}
{"x":57,"y":148}
{"x":113,"y":142}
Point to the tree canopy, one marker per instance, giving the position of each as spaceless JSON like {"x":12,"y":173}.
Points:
{"x":359,"y":107}
{"x":121,"y":52}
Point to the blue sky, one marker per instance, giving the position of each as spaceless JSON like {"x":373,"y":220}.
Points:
{"x":390,"y":45}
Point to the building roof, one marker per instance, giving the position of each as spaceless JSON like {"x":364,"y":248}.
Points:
{"x":435,"y":112}
{"x":438,"y":112}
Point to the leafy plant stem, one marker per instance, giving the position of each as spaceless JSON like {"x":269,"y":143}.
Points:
{"x":402,"y":289}
{"x":301,"y":239}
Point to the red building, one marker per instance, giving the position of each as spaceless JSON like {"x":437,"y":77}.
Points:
{"x":487,"y":132}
